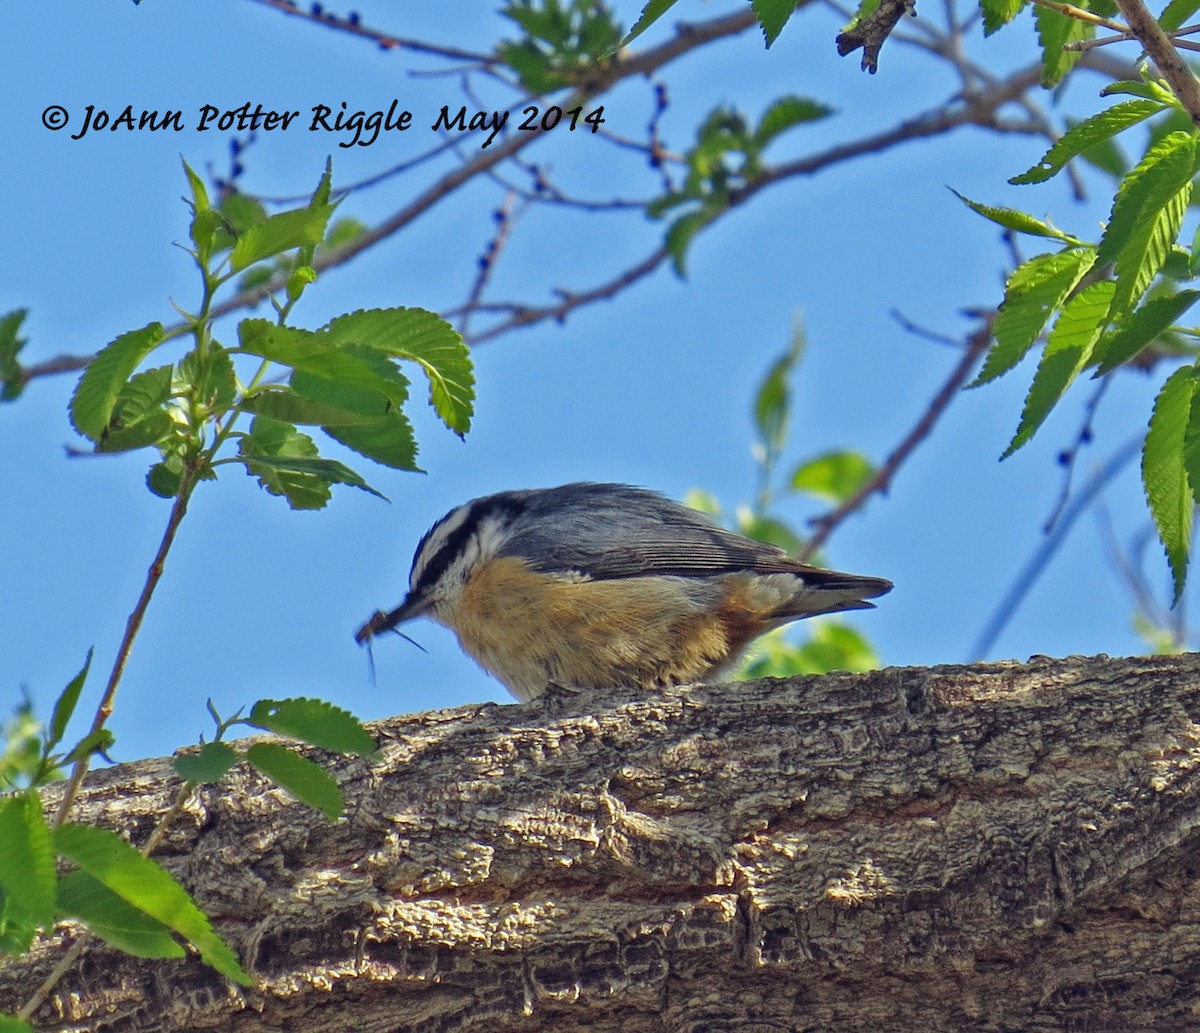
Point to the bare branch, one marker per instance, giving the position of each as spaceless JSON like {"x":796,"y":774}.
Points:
{"x":977,"y":344}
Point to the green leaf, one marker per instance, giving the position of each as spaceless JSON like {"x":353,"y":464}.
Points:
{"x":834,"y":476}
{"x":65,"y":705}
{"x":1055,"y":30}
{"x":209,"y":377}
{"x":143,"y":883}
{"x":12,"y":377}
{"x":200,"y":201}
{"x":422,"y":337}
{"x":96,"y":393}
{"x":787,"y":112}
{"x":1035,"y":289}
{"x":773,"y":15}
{"x":1146,"y":216}
{"x":286,"y":463}
{"x":1164,"y":474}
{"x":1012,"y":219}
{"x":208,"y":764}
{"x":11,"y":1024}
{"x":164,"y":478}
{"x":998,"y":13}
{"x":679,"y":238}
{"x":27,"y":874}
{"x":282,"y":402}
{"x":387,"y":437}
{"x":1068,"y":349}
{"x":114,"y":919}
{"x":138,"y":419}
{"x":1176,"y":14}
{"x":768,"y":529}
{"x":314,"y":721}
{"x":320,"y":354}
{"x":653,"y":10}
{"x":832,"y":646}
{"x":1142,"y":327}
{"x":1086,"y":135}
{"x":308,"y":782}
{"x":300,"y":227}
{"x":91,"y":744}
{"x":1147,"y":89}
{"x":772,"y":401}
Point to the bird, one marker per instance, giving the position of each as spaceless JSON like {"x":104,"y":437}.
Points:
{"x":594,"y":586}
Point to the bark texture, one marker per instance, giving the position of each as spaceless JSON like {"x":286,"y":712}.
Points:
{"x":1000,"y":847}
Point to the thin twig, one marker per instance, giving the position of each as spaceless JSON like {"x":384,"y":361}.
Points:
{"x":825,"y":525}
{"x":1162,"y":52}
{"x":1032,"y":570}
{"x":132,"y":626}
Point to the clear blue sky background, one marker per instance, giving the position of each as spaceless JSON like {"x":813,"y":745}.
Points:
{"x":652,"y":388}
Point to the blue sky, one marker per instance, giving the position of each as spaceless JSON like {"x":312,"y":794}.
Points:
{"x":652,"y":388}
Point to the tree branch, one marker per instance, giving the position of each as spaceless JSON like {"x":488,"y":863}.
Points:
{"x":989,"y":848}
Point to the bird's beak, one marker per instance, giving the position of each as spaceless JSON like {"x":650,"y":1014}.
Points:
{"x":411,"y":607}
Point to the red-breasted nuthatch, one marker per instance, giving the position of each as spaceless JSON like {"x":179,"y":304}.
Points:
{"x":603,"y":585}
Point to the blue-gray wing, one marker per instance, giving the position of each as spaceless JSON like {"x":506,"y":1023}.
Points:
{"x":609,"y":531}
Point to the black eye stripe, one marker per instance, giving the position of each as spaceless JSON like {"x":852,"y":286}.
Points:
{"x":505,"y":507}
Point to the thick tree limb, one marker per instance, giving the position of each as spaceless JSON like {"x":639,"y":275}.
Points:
{"x":994,"y":847}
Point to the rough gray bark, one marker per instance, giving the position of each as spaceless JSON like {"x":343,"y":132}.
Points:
{"x":1001,"y":847}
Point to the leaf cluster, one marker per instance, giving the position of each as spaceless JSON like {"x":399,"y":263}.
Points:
{"x":562,"y":43}
{"x":1107,"y":304}
{"x":344,"y":378}
{"x":727,"y":158}
{"x":832,"y":478}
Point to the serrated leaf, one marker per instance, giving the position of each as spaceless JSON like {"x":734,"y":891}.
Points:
{"x":200,"y":201}
{"x":96,"y":393}
{"x":1088,"y":134}
{"x":385,"y":436}
{"x":787,"y":112}
{"x":1147,"y":89}
{"x":300,"y":227}
{"x":834,"y":476}
{"x":320,"y":354}
{"x":1142,"y":327}
{"x":1012,"y":219}
{"x":138,"y":419}
{"x":208,"y":764}
{"x":211,"y":378}
{"x":287,"y":463}
{"x":1054,"y":31}
{"x":163,"y":479}
{"x":65,"y":705}
{"x":1164,"y":474}
{"x":1035,"y":290}
{"x":27,"y":874}
{"x":308,"y":782}
{"x":280,"y":402}
{"x":114,"y":919}
{"x":315,"y":721}
{"x":12,"y":380}
{"x":1176,"y":13}
{"x":1146,"y":215}
{"x":147,"y":886}
{"x":653,"y":10}
{"x":1068,"y":349}
{"x":423,"y":337}
{"x":773,"y":15}
{"x":998,"y":13}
